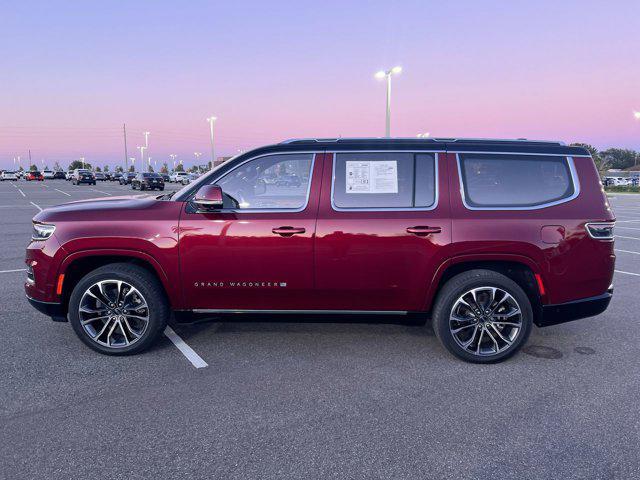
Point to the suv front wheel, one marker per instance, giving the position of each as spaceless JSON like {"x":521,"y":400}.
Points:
{"x":482,"y":316}
{"x":118,"y":309}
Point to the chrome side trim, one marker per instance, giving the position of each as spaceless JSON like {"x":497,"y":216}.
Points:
{"x":355,"y":312}
{"x":572,"y":171}
{"x":389,"y":209}
{"x":271,"y":210}
{"x":518,"y":153}
{"x":601,"y":224}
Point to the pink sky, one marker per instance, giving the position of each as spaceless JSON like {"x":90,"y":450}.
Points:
{"x":546,"y":71}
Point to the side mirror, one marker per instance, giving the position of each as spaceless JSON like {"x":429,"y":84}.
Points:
{"x":209,"y":197}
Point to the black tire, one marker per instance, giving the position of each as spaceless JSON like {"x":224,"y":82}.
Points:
{"x":142,"y":187}
{"x":464,"y":282}
{"x":150,"y":288}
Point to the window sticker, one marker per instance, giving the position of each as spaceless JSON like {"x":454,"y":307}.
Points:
{"x":372,"y":176}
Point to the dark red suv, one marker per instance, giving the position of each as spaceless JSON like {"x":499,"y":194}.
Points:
{"x":486,"y":237}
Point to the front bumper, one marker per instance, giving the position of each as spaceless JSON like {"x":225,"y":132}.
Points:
{"x":53,"y":310}
{"x":566,"y":312}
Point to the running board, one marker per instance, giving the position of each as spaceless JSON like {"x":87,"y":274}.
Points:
{"x":335,"y":312}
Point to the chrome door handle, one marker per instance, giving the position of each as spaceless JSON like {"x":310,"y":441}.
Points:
{"x":423,"y":231}
{"x":288,"y":231}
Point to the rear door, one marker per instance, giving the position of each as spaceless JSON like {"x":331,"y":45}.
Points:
{"x":256,"y":253}
{"x":383,"y":230}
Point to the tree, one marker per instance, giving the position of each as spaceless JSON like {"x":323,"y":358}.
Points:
{"x":57,"y":167}
{"x":33,"y":168}
{"x":618,"y":158}
{"x":132,"y":168}
{"x":119,"y":169}
{"x":150,"y":168}
{"x":98,"y":169}
{"x":106,"y":168}
{"x":179,"y":168}
{"x":595,"y":154}
{"x":165,"y":168}
{"x":21,"y":168}
{"x":78,"y":164}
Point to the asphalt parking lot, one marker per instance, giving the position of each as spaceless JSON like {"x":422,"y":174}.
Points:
{"x":296,"y":399}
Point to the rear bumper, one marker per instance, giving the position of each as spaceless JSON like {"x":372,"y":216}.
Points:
{"x":566,"y":312}
{"x":53,"y":310}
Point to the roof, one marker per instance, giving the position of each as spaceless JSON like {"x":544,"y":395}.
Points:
{"x":448,"y":144}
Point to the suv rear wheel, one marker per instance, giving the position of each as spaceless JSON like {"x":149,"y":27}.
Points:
{"x":482,"y":316}
{"x":118,"y":309}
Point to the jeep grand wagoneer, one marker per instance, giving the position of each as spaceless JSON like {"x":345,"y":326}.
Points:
{"x":484,"y":237}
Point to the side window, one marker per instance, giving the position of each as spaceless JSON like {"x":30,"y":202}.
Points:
{"x":491,"y":180}
{"x":269,"y":182}
{"x":384,"y":180}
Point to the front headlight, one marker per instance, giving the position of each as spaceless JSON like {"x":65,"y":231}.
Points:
{"x":42,"y":231}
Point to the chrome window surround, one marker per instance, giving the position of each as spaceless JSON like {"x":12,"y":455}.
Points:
{"x":572,"y":171}
{"x":436,"y":176}
{"x":268,"y":210}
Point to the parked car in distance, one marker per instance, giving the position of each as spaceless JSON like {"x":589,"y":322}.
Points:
{"x":147,"y":181}
{"x":82,"y":175}
{"x":99,"y":176}
{"x":59,"y":175}
{"x":486,"y":238}
{"x":126,"y":178}
{"x":107,"y":176}
{"x":289,"y":180}
{"x":8,"y":175}
{"x":116,"y":177}
{"x":166,"y":177}
{"x":47,"y":174}
{"x":34,"y":175}
{"x":187,"y":179}
{"x":69,"y":175}
{"x":176,"y":177}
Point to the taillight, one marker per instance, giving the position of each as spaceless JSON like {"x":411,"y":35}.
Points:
{"x":600,"y":231}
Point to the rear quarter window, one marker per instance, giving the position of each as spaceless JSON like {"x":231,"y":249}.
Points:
{"x":515,"y":181}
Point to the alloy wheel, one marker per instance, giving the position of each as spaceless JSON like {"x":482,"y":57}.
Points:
{"x":485,"y":321}
{"x":113,"y":313}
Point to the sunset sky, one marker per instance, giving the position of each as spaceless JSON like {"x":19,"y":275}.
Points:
{"x":72,"y":73}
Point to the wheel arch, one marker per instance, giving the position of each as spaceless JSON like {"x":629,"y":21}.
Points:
{"x":77,"y":265}
{"x":522,"y":270}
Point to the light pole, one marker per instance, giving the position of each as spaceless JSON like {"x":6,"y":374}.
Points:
{"x":382,"y":74}
{"x":173,"y":156}
{"x":142,"y":148}
{"x":146,"y":139}
{"x":423,"y":135}
{"x":211,"y":121}
{"x":133,"y":163}
{"x":82,"y":160}
{"x":197,"y":155}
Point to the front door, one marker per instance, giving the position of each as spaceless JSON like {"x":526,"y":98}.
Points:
{"x":257,"y":252}
{"x":383,"y":230}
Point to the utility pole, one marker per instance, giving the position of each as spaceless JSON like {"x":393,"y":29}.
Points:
{"x":173,"y":156}
{"x":29,"y":158}
{"x":211,"y":121}
{"x":126,"y":155}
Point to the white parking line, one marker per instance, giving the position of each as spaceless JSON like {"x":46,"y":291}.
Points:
{"x":626,"y":251}
{"x":21,"y":192}
{"x":630,"y":238}
{"x":100,"y":191}
{"x":627,"y":221}
{"x":12,"y":271}
{"x":64,"y":193}
{"x":628,"y":273}
{"x":37,"y":206}
{"x":195,"y":359}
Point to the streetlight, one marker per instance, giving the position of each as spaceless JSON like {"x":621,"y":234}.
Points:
{"x":382,"y":74}
{"x":211,"y":121}
{"x":82,"y":160}
{"x":173,"y":156}
{"x":133,"y":162}
{"x":197,"y":155}
{"x":141,"y":154}
{"x":636,"y":114}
